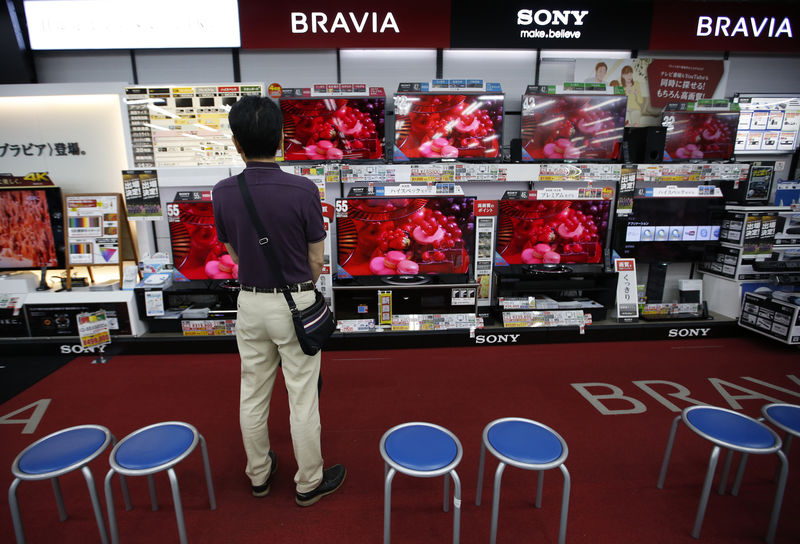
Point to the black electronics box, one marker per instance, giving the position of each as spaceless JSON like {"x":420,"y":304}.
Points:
{"x":61,"y":319}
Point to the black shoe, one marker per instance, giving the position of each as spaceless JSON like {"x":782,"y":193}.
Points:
{"x":332,"y":479}
{"x":263,"y":489}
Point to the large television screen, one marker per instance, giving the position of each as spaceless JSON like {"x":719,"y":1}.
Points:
{"x":699,"y":136}
{"x":572,"y":126}
{"x":451,"y":126}
{"x":427,"y":236}
{"x":31,"y":228}
{"x":669,"y":229}
{"x":333,"y":129}
{"x":569,"y":227}
{"x":196,"y":252}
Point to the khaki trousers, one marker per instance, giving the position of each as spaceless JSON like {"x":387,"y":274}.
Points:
{"x":265,"y":336}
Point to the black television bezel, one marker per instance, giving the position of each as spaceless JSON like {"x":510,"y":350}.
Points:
{"x":382,"y":159}
{"x":436,"y":160}
{"x":579,"y":159}
{"x":385,"y":281}
{"x":55,"y":200}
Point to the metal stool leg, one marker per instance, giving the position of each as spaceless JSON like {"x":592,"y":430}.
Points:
{"x":15,"y":516}
{"x":151,"y":485}
{"x":701,"y":508}
{"x":209,"y":482}
{"x":62,"y":512}
{"x":176,"y":499}
{"x":126,"y":496}
{"x":98,"y":512}
{"x":778,"y":501}
{"x":456,"y":506}
{"x":562,"y":526}
{"x":539,"y":488}
{"x":668,"y":452}
{"x":387,"y":504}
{"x":498,"y":475}
{"x":112,"y":516}
{"x":737,"y":484}
{"x":480,"y":474}
{"x":446,"y":506}
{"x":726,"y":470}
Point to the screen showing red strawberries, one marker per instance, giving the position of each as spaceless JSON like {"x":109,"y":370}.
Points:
{"x":699,"y":135}
{"x":333,"y":129}
{"x":572,"y":127}
{"x":196,"y":252}
{"x":454,"y":126}
{"x":404,"y":236}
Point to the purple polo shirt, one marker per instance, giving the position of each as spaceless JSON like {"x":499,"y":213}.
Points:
{"x":290,"y":209}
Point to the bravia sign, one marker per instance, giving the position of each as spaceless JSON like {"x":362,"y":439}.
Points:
{"x":726,"y":26}
{"x":319,"y":24}
{"x":586,"y":24}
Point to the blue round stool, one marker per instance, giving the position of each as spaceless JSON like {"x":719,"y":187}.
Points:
{"x":423,"y":450}
{"x":55,"y":455}
{"x":786,"y":417}
{"x":153,"y":449}
{"x":529,"y":445}
{"x":737,"y":433}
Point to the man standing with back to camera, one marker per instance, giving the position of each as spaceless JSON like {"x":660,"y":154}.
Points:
{"x":290,"y":209}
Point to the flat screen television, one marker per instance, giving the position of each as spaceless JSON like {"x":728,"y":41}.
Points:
{"x":558,"y":224}
{"x":333,"y":129}
{"x":431,"y":127}
{"x":405,"y":239}
{"x":699,"y":136}
{"x":559,"y":127}
{"x":31,"y":228}
{"x":196,"y":252}
{"x":669,"y":229}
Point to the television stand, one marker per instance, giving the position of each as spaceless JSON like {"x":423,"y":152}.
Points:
{"x":406,"y":280}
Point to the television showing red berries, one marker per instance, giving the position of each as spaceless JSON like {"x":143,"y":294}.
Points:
{"x":333,"y":129}
{"x":31,"y":228}
{"x":196,"y":252}
{"x":384,"y":237}
{"x":566,"y":226}
{"x":448,"y":126}
{"x":699,"y":136}
{"x":562,"y":127}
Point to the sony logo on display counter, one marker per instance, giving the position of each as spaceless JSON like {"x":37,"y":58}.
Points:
{"x":687,"y":333}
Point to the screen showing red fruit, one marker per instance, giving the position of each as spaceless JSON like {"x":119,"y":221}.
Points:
{"x":572,"y":127}
{"x":333,"y":129}
{"x":196,"y":252}
{"x":699,"y":135}
{"x":452,"y":126}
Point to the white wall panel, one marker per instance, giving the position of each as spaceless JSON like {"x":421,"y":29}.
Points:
{"x":387,"y":67}
{"x":289,"y":68}
{"x":185,"y":66}
{"x":83,"y":66}
{"x":759,"y":74}
{"x":514,"y":70}
{"x":555,"y":71}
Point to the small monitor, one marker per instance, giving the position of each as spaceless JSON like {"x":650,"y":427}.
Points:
{"x":699,"y":135}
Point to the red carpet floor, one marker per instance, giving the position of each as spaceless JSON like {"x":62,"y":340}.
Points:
{"x":614,"y":457}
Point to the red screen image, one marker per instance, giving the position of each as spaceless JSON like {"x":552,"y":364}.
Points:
{"x":28,"y":228}
{"x":572,"y":127}
{"x":552,"y":231}
{"x":196,"y":252}
{"x":456,"y":126}
{"x":404,"y":236}
{"x":333,"y":128}
{"x":699,"y":135}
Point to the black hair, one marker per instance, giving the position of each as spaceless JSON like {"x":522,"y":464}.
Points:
{"x":257,"y":124}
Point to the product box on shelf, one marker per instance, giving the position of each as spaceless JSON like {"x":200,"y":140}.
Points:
{"x":787,"y":229}
{"x":732,"y":261}
{"x":777,"y":319}
{"x":753,"y":229}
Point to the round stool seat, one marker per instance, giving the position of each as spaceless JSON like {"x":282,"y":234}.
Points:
{"x":784,"y":416}
{"x":731,"y":429}
{"x":421,"y":448}
{"x":525,"y":442}
{"x":154,"y":447}
{"x":62,"y":450}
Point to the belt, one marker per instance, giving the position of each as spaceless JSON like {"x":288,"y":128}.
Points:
{"x":294,"y":287}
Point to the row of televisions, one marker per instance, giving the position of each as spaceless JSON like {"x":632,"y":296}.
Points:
{"x":464,"y":127}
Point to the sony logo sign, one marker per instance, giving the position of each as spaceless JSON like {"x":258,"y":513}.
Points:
{"x":351,"y":22}
{"x":496,"y":338}
{"x":544,"y":17}
{"x":719,"y":26}
{"x":77,"y":348}
{"x":684,"y":333}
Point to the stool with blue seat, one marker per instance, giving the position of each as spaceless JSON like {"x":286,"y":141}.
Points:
{"x":55,"y":455}
{"x":422,"y":450}
{"x":785,"y":417}
{"x":154,"y":449}
{"x":737,"y":433}
{"x":529,"y":445}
